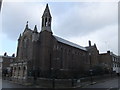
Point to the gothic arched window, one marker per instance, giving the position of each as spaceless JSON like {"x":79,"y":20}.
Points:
{"x":46,"y":23}
{"x":25,"y":47}
{"x":25,"y":43}
{"x":49,"y":22}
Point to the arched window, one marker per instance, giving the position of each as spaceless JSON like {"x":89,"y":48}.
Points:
{"x":14,"y":71}
{"x":25,"y":42}
{"x":49,"y":22}
{"x":25,"y":47}
{"x":24,"y":68}
{"x":19,"y":71}
{"x":19,"y":68}
{"x":14,"y":68}
{"x":45,"y":21}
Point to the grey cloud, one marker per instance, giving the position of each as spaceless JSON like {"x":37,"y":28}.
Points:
{"x":15,"y":16}
{"x":84,"y":20}
{"x":69,"y":20}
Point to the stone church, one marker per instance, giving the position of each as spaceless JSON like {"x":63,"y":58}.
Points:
{"x":42,"y":54}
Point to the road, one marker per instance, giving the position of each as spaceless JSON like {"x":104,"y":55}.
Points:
{"x":109,"y":85}
{"x":8,"y":84}
{"x":112,"y":83}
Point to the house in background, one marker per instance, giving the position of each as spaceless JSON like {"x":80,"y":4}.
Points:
{"x":1,"y":66}
{"x":5,"y":62}
{"x":110,"y":60}
{"x":115,"y":62}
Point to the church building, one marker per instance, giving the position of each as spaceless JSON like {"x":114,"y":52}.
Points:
{"x":42,"y":54}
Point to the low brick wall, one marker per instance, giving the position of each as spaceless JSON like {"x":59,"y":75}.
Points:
{"x":63,"y":83}
{"x":44,"y":82}
{"x":59,"y":83}
{"x":96,"y":78}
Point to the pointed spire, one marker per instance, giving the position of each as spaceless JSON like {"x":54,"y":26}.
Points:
{"x":35,"y":28}
{"x":27,"y":25}
{"x":19,"y":36}
{"x":46,"y":20}
{"x":47,"y":11}
{"x":94,"y":45}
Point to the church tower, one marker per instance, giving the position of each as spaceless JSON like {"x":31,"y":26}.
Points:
{"x":46,"y":20}
{"x":46,"y":43}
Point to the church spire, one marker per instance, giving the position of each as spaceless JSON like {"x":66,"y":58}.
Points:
{"x":19,"y":36}
{"x":46,"y":20}
{"x":35,"y":29}
{"x":26,"y":25}
{"x":46,"y":12}
{"x":26,"y":28}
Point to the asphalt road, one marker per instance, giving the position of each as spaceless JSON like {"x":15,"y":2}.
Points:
{"x":107,"y":85}
{"x":8,"y":84}
{"x":112,"y":83}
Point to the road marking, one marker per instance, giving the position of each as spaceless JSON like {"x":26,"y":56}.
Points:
{"x":109,"y":88}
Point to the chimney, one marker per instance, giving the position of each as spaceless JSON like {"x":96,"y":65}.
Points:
{"x":94,"y":45}
{"x":13,"y":55}
{"x":108,"y":52}
{"x":5,"y":54}
{"x":89,"y":43}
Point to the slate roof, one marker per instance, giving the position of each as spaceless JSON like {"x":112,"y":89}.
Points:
{"x":69,"y":43}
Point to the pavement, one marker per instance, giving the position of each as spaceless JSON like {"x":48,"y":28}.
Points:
{"x":9,"y":84}
{"x":111,"y":83}
{"x":97,"y":83}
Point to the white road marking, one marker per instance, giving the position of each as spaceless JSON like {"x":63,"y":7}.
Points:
{"x":109,"y":88}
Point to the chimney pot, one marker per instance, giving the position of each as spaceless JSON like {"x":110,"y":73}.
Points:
{"x":89,"y":43}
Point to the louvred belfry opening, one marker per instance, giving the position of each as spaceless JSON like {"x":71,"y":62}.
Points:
{"x":46,"y":20}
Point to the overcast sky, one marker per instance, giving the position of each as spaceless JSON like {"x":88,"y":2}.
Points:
{"x":77,"y":22}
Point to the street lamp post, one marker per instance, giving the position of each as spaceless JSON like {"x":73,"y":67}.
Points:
{"x":72,"y":82}
{"x":91,"y":71}
{"x":35,"y":74}
{"x":111,"y":71}
{"x":52,"y":73}
{"x":53,"y":78}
